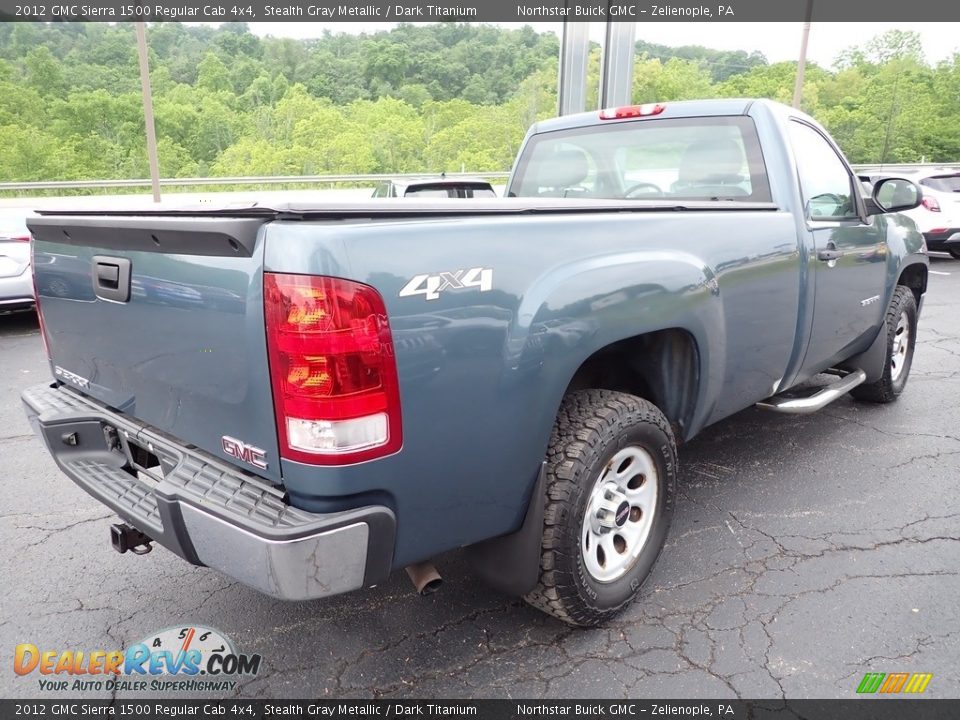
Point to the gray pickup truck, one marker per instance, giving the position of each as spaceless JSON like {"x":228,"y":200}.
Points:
{"x":309,"y":397}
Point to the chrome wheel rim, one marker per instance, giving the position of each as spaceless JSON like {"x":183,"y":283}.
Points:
{"x":621,"y":509}
{"x":901,"y":344}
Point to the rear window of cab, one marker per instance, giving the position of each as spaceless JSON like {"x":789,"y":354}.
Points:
{"x":706,"y":158}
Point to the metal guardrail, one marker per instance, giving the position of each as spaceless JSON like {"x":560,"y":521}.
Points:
{"x":337,"y":179}
{"x":906,"y":167}
{"x":265,"y":180}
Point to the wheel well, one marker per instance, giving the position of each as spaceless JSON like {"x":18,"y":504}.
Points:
{"x":660,"y":366}
{"x":915,"y":278}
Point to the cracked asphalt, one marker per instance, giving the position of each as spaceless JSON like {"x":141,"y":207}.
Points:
{"x":805,"y":551}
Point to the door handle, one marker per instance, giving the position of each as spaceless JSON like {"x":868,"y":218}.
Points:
{"x":829,"y":253}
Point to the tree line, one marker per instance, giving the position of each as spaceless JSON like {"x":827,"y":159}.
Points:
{"x":413,"y":99}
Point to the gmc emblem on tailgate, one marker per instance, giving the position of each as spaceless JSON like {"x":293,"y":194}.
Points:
{"x":243,"y":452}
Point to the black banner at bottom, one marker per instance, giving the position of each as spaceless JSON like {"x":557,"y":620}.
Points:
{"x":854,"y":709}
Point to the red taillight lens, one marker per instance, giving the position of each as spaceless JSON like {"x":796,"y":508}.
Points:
{"x":21,"y":238}
{"x":931,"y":204}
{"x":36,"y":300}
{"x":333,"y":371}
{"x":630,"y":111}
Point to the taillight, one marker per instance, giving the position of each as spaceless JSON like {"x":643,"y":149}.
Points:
{"x":21,"y":238}
{"x":931,"y":204}
{"x":332,"y":368}
{"x":630,"y":111}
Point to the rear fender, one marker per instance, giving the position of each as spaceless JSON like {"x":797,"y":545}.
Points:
{"x":562,"y":321}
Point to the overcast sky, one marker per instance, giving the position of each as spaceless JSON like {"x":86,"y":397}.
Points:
{"x":778,"y":41}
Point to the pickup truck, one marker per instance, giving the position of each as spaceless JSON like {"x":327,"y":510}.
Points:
{"x":326,"y":393}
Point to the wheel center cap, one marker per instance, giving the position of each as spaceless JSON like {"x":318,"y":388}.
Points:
{"x":610,"y":509}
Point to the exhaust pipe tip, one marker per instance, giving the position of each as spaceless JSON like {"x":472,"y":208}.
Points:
{"x":424,"y":577}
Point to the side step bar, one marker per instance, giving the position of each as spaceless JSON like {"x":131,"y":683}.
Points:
{"x":805,"y":405}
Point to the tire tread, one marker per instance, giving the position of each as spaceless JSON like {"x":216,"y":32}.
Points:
{"x":883,"y":390}
{"x":581,"y":424}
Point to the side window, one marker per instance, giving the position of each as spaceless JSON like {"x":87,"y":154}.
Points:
{"x":824,"y":180}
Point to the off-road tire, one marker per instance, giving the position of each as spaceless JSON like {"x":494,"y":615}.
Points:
{"x":886,"y":389}
{"x":591,"y":427}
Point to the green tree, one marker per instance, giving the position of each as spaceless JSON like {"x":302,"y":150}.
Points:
{"x":44,"y":73}
{"x":213,"y":75}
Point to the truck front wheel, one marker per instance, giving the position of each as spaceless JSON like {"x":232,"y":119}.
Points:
{"x":900,"y":325}
{"x":611,"y":476}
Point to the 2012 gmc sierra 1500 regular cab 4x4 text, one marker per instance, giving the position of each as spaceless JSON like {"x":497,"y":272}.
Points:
{"x":307,"y":397}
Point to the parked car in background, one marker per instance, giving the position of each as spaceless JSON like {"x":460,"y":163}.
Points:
{"x":16,"y":282}
{"x":938,"y":216}
{"x":435,"y":187}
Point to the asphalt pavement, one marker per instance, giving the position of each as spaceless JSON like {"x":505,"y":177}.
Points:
{"x":805,"y":552}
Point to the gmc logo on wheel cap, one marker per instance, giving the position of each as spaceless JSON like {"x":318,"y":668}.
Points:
{"x":243,"y":452}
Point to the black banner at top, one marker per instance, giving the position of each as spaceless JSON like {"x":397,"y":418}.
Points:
{"x":332,"y":11}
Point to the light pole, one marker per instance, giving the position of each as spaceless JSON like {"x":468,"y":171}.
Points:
{"x":802,"y":63}
{"x":148,"y":110}
{"x":572,"y":75}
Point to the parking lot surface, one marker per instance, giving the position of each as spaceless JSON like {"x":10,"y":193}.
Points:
{"x":805,"y":552}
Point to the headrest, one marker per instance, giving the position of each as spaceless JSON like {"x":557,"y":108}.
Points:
{"x":564,"y":169}
{"x":710,"y":160}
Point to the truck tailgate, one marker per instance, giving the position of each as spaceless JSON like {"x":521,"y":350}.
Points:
{"x":161,"y":318}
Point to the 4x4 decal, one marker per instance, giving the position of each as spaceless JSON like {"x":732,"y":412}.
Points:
{"x":430,"y":286}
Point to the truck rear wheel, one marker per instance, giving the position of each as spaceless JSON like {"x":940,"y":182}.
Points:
{"x":901,"y":329}
{"x":611,"y":476}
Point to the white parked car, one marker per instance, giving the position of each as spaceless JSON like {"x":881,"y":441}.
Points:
{"x":938,"y":217}
{"x":16,"y":280}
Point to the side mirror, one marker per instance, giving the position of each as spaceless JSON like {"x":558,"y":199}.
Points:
{"x":894,"y":195}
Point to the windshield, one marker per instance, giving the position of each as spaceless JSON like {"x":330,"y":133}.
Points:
{"x":454,"y":190}
{"x":943,"y":183}
{"x":426,"y":192}
{"x":709,"y":158}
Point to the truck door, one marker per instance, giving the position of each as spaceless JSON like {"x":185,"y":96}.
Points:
{"x":849,"y":260}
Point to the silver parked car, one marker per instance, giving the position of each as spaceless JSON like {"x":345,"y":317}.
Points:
{"x":938,"y":216}
{"x":16,"y":280}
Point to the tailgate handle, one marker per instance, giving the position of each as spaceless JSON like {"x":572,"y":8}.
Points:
{"x":108,"y":275}
{"x":111,"y":278}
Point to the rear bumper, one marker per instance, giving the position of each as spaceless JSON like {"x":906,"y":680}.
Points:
{"x":16,"y":293}
{"x":941,"y":241}
{"x":207,"y":512}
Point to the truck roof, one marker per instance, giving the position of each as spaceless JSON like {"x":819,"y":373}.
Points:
{"x":672,"y":109}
